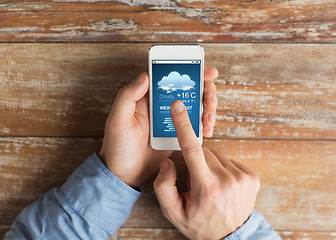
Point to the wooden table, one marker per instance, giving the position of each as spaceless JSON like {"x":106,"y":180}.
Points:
{"x":62,"y":63}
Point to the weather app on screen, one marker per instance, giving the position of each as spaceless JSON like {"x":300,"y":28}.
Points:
{"x":175,"y":80}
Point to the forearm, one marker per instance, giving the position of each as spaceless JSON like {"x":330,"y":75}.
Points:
{"x":92,"y":204}
{"x":256,"y":227}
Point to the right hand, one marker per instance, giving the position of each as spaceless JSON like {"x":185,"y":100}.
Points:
{"x":222,"y":192}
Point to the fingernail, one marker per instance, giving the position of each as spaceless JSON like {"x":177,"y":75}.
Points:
{"x":212,"y":118}
{"x":213,"y":98}
{"x":164,"y":166}
{"x":140,"y":78}
{"x":178,"y":106}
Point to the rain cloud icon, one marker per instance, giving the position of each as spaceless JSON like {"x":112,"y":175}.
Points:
{"x":174,"y":81}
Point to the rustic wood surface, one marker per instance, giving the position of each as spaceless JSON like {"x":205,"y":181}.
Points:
{"x":165,"y":234}
{"x":279,"y":92}
{"x":276,"y":91}
{"x":32,"y":166}
{"x":297,"y":190}
{"x":168,"y":20}
{"x":289,"y":235}
{"x":297,"y":179}
{"x":276,"y":112}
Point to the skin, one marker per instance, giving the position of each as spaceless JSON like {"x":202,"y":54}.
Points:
{"x":222,"y":192}
{"x":126,"y":150}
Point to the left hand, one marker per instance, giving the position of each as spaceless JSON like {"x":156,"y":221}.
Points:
{"x":126,"y":149}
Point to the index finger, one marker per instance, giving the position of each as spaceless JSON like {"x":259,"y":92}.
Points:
{"x":189,"y":143}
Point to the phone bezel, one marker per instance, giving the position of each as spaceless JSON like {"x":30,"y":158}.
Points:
{"x":174,"y":52}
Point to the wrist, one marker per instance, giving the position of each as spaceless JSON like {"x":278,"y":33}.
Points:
{"x":249,"y":223}
{"x":102,"y":156}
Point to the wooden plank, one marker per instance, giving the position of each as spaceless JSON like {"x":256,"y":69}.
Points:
{"x":54,"y":90}
{"x":5,"y":228}
{"x":160,"y":233}
{"x":275,"y":91}
{"x":167,"y":233}
{"x":168,"y":21}
{"x":297,"y":178}
{"x":264,"y":91}
{"x":32,"y":166}
{"x":297,"y":183}
{"x":150,"y":234}
{"x":288,"y":235}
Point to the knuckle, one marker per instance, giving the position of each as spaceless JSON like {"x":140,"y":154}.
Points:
{"x":185,"y":124}
{"x":241,"y":176}
{"x":125,"y":90}
{"x":158,"y":185}
{"x":232,"y":183}
{"x":194,"y":150}
{"x":122,"y":90}
{"x":255,"y":180}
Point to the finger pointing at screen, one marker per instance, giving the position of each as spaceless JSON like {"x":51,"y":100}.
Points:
{"x":222,"y":192}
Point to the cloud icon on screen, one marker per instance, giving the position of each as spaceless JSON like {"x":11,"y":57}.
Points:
{"x":174,"y":81}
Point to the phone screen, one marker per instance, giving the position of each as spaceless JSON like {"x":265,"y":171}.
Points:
{"x":175,"y":80}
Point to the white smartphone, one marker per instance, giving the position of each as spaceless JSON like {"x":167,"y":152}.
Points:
{"x":176,"y":73}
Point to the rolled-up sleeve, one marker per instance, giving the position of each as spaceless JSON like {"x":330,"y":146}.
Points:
{"x":92,"y":204}
{"x":256,"y":227}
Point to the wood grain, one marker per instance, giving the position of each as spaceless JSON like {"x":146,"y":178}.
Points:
{"x":275,"y":91}
{"x":167,"y":234}
{"x":278,"y":99}
{"x":168,"y":21}
{"x":5,"y":228}
{"x":281,"y":91}
{"x":32,"y":166}
{"x":297,"y":180}
{"x":289,"y":235}
{"x":297,"y":177}
{"x":152,"y":234}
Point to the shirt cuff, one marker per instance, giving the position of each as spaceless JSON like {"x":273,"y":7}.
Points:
{"x":99,"y":196}
{"x":256,"y":227}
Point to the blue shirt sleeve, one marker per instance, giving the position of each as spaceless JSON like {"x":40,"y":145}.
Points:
{"x":256,"y":227}
{"x":92,"y":204}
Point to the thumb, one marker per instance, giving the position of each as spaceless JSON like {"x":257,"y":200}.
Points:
{"x":166,"y":191}
{"x":125,"y":102}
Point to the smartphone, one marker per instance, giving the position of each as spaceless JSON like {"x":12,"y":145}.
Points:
{"x":176,"y":72}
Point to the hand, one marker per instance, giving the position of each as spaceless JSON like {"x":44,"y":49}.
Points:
{"x":222,"y":192}
{"x":126,"y":150}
